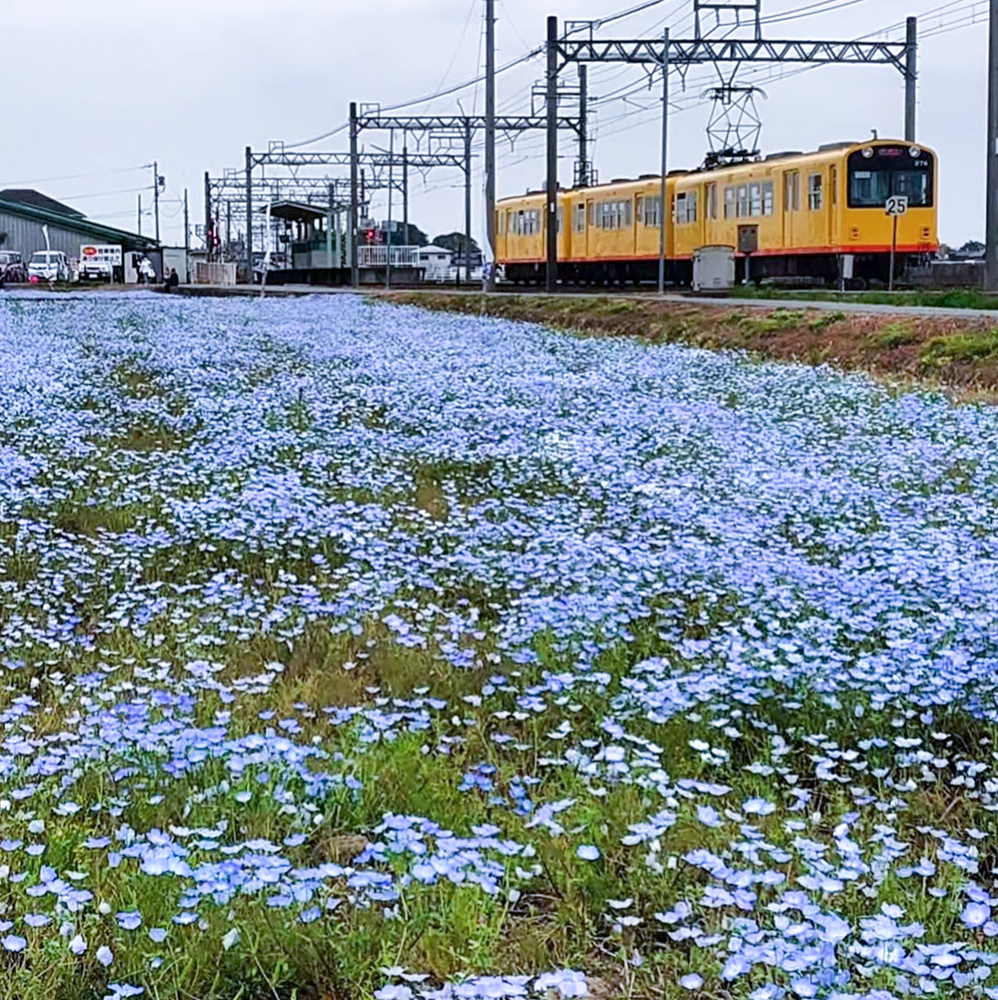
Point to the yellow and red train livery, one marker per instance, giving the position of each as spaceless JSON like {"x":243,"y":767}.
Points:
{"x":801,"y":216}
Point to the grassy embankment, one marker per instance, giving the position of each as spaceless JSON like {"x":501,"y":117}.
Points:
{"x":955,"y":354}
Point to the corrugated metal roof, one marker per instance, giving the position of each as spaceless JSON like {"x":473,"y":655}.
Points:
{"x":29,"y":196}
{"x":94,"y":230}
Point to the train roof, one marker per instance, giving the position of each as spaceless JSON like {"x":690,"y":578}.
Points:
{"x":829,"y":151}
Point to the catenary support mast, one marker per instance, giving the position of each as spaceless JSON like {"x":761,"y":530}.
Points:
{"x":991,"y":223}
{"x":551,"y":213}
{"x":354,"y":216}
{"x":664,"y":208}
{"x":249,"y":216}
{"x":490,"y":140}
{"x":911,"y":80}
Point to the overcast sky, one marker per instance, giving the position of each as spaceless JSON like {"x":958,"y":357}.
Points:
{"x":92,"y":91}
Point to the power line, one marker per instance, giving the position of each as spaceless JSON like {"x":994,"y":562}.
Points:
{"x":72,"y":177}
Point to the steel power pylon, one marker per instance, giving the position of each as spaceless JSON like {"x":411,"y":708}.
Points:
{"x":666,"y":52}
{"x":460,"y":129}
{"x":382,"y":164}
{"x":222,"y":193}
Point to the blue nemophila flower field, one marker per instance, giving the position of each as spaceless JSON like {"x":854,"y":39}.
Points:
{"x":351,"y":651}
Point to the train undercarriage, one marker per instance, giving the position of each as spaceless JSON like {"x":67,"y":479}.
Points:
{"x":870,"y":270}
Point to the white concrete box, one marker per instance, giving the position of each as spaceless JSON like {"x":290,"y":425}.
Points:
{"x":714,"y":269}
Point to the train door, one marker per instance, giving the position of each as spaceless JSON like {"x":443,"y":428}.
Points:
{"x":791,"y":207}
{"x":834,"y":235}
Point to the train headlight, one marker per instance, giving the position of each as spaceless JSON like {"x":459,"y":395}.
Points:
{"x":868,"y":152}
{"x":914,"y":152}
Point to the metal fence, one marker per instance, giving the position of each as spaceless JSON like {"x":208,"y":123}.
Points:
{"x":206,"y":273}
{"x":377,"y":256}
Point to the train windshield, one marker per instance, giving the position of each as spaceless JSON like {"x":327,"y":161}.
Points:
{"x":877,"y":173}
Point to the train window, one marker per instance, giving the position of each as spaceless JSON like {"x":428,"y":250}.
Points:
{"x":615,"y":215}
{"x":814,"y":192}
{"x":711,"y":200}
{"x":580,"y":218}
{"x":686,"y":208}
{"x":791,"y":191}
{"x":729,"y":203}
{"x":833,"y":186}
{"x":767,"y":197}
{"x":743,"y":201}
{"x":593,"y":219}
{"x":755,"y":199}
{"x":651,"y":216}
{"x":561,"y":217}
{"x":886,"y":171}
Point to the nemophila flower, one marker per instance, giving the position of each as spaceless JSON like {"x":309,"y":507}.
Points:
{"x":691,"y":981}
{"x":976,"y":914}
{"x":78,"y":945}
{"x":792,"y":540}
{"x":104,"y":955}
{"x":118,"y":991}
{"x":14,"y":942}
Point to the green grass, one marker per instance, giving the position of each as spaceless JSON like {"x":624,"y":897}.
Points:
{"x":969,"y":346}
{"x":893,"y":336}
{"x":956,"y":298}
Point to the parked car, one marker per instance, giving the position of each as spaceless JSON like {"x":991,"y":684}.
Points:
{"x":12,"y":268}
{"x":49,"y":265}
{"x":96,"y":270}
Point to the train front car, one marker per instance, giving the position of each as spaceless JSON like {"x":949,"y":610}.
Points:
{"x":875,"y":173}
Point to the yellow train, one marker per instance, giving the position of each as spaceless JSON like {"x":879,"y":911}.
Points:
{"x":817,"y":217}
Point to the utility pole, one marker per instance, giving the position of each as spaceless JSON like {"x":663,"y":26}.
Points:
{"x":209,"y":241}
{"x":249,"y":216}
{"x":551,"y":214}
{"x":665,"y":207}
{"x":388,"y":234}
{"x":187,"y":241}
{"x":329,"y":229}
{"x":155,"y":195}
{"x":490,"y":139}
{"x":467,"y":200}
{"x":140,"y":215}
{"x":911,"y":79}
{"x":583,"y":178}
{"x":991,"y":224}
{"x":354,"y":219}
{"x":405,"y":189}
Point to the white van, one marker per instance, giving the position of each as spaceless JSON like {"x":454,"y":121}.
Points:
{"x":49,"y":265}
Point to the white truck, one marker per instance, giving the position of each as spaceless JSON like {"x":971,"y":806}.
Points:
{"x":100,"y":262}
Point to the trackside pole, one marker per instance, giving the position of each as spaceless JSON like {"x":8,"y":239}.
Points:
{"x":551,"y":221}
{"x":991,"y":224}
{"x":665,"y":161}
{"x":249,"y":216}
{"x":911,"y":79}
{"x":894,"y":250}
{"x":354,"y":220}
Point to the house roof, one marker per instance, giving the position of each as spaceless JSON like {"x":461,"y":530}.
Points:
{"x":78,"y":223}
{"x":27,"y":196}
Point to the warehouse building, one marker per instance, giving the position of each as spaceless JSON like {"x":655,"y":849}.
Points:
{"x":24,"y":213}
